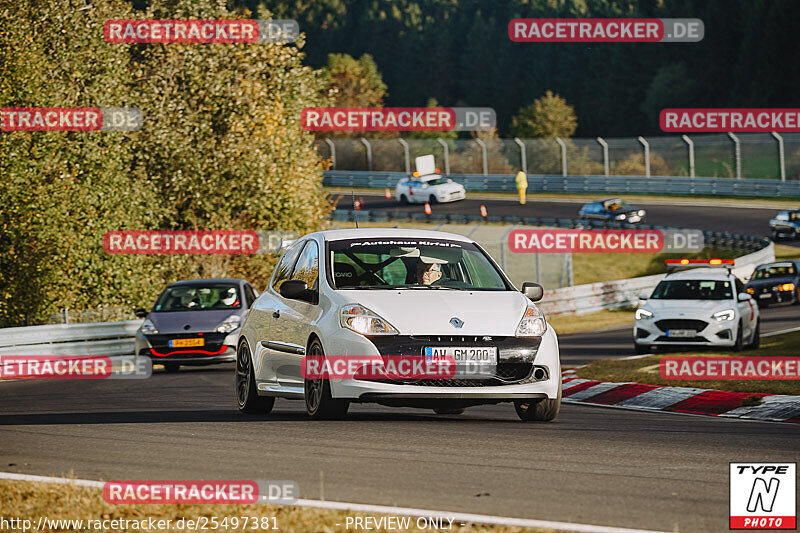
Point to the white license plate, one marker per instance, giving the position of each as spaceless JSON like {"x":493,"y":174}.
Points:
{"x":681,"y":333}
{"x":767,"y":295}
{"x":481,"y":356}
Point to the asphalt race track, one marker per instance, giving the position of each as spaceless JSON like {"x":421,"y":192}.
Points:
{"x":750,"y":221}
{"x":591,"y":466}
{"x":582,"y":348}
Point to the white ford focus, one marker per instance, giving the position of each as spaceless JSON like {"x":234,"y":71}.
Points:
{"x":371,"y":296}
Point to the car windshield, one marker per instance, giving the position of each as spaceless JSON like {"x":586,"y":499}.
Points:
{"x":209,"y":297}
{"x":693,"y":289}
{"x":411,"y":263}
{"x":774,"y":271}
{"x":436,"y":181}
{"x":617,"y":205}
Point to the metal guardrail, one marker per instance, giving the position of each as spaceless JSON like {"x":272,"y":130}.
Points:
{"x":100,"y":338}
{"x":584,"y":184}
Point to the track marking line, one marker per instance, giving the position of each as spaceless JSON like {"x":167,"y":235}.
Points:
{"x":385,"y":509}
{"x":780,"y":332}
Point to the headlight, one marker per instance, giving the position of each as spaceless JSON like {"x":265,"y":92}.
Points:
{"x":727,"y":314}
{"x":358,"y":318}
{"x":787,"y":287}
{"x":643,"y":313}
{"x":641,"y":212}
{"x":532,"y":324}
{"x":229,"y":324}
{"x":148,"y":328}
{"x":621,"y":217}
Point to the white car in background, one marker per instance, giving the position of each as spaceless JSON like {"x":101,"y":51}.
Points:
{"x":367,"y":294}
{"x":701,"y":306}
{"x":432,"y":188}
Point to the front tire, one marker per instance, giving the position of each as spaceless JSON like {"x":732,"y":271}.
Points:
{"x":641,"y":349}
{"x":433,"y":200}
{"x":403,"y":199}
{"x":320,"y":404}
{"x":247,"y":398}
{"x":756,"y":341}
{"x":739,"y":345}
{"x":544,"y":410}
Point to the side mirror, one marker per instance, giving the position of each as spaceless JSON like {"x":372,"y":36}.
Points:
{"x":295,"y":289}
{"x":533,"y":291}
{"x":743,"y":296}
{"x":140,"y":312}
{"x":643,"y":296}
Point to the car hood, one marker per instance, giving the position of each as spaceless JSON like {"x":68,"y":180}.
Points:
{"x":198,"y":321}
{"x":769,"y":282}
{"x":428,"y":311}
{"x":448,"y":187}
{"x":687,"y":308}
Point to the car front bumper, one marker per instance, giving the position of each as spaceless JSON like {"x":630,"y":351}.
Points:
{"x":220,"y":349}
{"x":714,"y":333}
{"x":539,"y":353}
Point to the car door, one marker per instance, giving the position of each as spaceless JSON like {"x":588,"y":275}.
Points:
{"x":264,"y":317}
{"x":296,"y":319}
{"x":748,"y":310}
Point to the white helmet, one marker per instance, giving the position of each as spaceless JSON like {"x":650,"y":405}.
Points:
{"x":229,"y":296}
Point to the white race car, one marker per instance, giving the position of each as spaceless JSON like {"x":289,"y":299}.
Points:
{"x":703,"y":305}
{"x":370,"y":296}
{"x":432,"y":188}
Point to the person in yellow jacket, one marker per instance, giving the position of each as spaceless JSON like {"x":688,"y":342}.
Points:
{"x":522,"y":186}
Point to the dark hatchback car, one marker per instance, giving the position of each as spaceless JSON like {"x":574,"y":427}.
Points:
{"x":195,"y":322}
{"x":612,"y":209}
{"x":775,"y":283}
{"x":785,"y":225}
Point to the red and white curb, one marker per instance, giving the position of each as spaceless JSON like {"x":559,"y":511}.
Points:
{"x":773,"y":407}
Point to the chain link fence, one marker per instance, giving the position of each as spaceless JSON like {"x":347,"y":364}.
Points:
{"x":753,"y":155}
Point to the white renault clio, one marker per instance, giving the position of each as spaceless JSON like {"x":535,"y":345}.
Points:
{"x":383,"y":293}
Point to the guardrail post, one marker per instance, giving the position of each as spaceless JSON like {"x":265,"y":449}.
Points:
{"x":737,"y":154}
{"x":66,"y":315}
{"x":483,"y":152}
{"x":405,"y":153}
{"x":538,"y":264}
{"x":563,"y":156}
{"x":369,"y":152}
{"x":646,"y":155}
{"x":780,"y":155}
{"x":333,"y":153}
{"x":446,"y":155}
{"x":523,"y":157}
{"x":690,"y":144}
{"x":604,"y":144}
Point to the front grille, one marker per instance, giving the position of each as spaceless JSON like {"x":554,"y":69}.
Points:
{"x":160,"y":342}
{"x":505,"y":374}
{"x":680,"y":323}
{"x":689,"y":340}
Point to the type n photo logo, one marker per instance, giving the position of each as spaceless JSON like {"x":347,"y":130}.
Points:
{"x":763,"y":495}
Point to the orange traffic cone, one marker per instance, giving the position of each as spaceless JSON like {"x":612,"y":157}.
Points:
{"x":484,"y":214}
{"x":427,"y":208}
{"x":387,"y":193}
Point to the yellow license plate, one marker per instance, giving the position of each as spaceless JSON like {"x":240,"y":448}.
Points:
{"x":187,"y":343}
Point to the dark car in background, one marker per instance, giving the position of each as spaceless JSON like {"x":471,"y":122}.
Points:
{"x":612,"y":209}
{"x":195,"y":322}
{"x":775,"y":283}
{"x":785,"y":224}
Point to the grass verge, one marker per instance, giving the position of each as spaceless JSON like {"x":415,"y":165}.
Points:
{"x":645,"y":370}
{"x":31,"y":500}
{"x":783,"y":252}
{"x":564,"y":325}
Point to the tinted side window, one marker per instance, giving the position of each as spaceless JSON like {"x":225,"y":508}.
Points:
{"x":307,"y":267}
{"x":249,"y":295}
{"x":739,"y":288}
{"x":285,"y":265}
